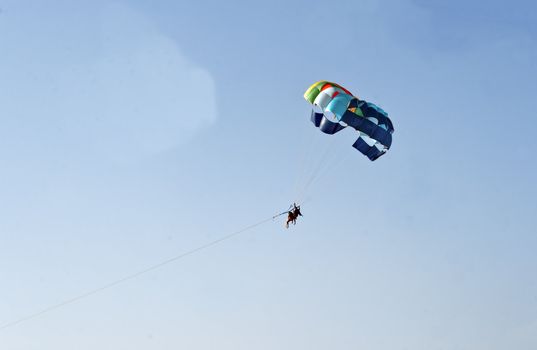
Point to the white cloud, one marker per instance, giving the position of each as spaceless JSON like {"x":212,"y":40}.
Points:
{"x":107,"y":82}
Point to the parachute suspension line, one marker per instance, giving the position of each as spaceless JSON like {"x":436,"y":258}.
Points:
{"x":322,"y":172}
{"x":327,"y":155}
{"x":316,"y":166}
{"x":306,"y":156}
{"x":133,"y":275}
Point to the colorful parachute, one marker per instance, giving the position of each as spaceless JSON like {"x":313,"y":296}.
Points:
{"x":335,"y":108}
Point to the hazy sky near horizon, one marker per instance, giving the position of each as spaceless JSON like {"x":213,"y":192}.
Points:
{"x":131,"y":131}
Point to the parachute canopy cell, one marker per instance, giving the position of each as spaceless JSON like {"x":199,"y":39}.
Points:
{"x":335,"y":108}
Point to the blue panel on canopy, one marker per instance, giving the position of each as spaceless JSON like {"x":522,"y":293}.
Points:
{"x":368,"y":127}
{"x":316,"y":118}
{"x":324,"y":124}
{"x":371,"y":152}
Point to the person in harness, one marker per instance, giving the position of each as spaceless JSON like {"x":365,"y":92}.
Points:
{"x":292,"y":215}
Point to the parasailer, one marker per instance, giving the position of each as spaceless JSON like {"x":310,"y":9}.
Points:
{"x":292,"y":215}
{"x":335,"y":108}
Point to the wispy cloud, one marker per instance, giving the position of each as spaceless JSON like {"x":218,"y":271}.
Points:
{"x":108,"y":82}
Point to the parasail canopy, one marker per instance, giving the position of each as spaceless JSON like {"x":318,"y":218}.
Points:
{"x":335,"y":108}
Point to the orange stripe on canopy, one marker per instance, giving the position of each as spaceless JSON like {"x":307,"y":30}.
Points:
{"x":329,"y":85}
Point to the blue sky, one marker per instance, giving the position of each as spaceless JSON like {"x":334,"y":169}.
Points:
{"x":132,"y":131}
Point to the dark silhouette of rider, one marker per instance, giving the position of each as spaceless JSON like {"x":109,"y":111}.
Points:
{"x":293,"y":214}
{"x":296,"y":210}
